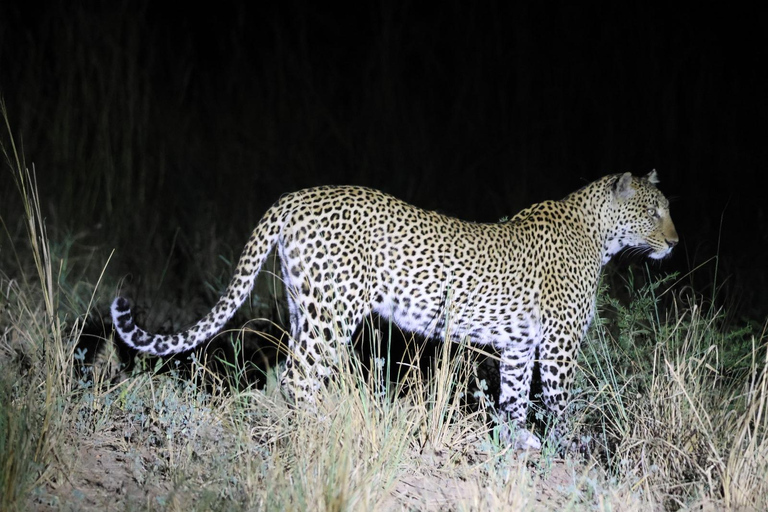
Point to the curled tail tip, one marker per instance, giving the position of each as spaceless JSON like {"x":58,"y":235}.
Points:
{"x":137,"y":338}
{"x":120,"y":305}
{"x":122,"y":318}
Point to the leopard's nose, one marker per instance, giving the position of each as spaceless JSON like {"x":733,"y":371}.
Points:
{"x":670,"y":235}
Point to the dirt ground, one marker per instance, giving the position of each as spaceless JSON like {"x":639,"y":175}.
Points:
{"x":107,"y":475}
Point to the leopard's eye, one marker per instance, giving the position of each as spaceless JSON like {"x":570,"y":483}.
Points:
{"x":653,"y":212}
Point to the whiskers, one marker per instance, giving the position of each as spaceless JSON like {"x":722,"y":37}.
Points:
{"x":635,"y":252}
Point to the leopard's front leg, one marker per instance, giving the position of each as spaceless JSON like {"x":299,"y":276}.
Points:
{"x":516,"y":369}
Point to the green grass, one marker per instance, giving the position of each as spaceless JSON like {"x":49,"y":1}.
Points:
{"x":674,"y":404}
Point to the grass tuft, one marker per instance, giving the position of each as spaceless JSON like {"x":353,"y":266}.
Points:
{"x":671,"y":415}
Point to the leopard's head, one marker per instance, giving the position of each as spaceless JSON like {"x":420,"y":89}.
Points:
{"x":641,"y":213}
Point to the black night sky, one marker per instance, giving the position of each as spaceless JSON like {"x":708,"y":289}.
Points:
{"x":195,"y":120}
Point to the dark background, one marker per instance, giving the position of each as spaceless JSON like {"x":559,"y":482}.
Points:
{"x":162,"y":131}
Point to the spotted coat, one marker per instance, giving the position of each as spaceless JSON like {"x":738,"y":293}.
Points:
{"x":526,"y":286}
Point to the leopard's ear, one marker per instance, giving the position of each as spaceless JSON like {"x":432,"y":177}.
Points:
{"x":652,"y":177}
{"x":622,"y":187}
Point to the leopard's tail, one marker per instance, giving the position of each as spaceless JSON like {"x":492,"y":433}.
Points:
{"x":263,"y":238}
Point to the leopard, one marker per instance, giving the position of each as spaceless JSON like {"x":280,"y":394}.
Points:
{"x":526,"y":285}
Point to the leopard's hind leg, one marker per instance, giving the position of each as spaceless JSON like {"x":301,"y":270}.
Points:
{"x":320,"y":324}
